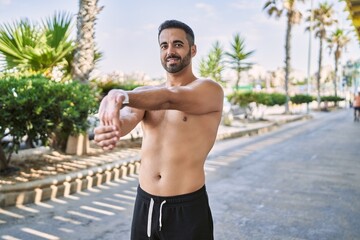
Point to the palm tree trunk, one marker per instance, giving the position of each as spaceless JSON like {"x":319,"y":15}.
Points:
{"x":287,"y":61}
{"x":335,"y":79}
{"x":83,"y":63}
{"x":318,"y":79}
{"x":336,"y":70}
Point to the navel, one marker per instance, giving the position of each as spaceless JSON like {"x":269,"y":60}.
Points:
{"x":185,"y":118}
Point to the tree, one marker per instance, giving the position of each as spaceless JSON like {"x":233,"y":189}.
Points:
{"x":319,"y":19}
{"x":34,"y":48}
{"x":338,"y":40}
{"x":237,"y":56}
{"x":212,"y":66}
{"x":85,"y":53}
{"x":293,"y":17}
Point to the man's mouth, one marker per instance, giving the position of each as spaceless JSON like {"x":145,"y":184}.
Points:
{"x":172,"y":59}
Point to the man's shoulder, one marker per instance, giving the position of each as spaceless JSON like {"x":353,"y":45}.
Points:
{"x":206,"y":82}
{"x":209,"y":85}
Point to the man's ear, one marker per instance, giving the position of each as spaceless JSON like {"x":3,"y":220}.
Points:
{"x":193,"y":50}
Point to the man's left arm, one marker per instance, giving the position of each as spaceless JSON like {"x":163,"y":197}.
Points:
{"x":200,"y":97}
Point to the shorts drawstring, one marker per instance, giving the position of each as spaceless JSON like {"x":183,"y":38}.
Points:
{"x":151,"y":208}
{"x":160,"y":220}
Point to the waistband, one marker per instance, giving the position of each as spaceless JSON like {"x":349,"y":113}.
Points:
{"x":188,"y":197}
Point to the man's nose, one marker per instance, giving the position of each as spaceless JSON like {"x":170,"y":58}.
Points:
{"x":170,"y":50}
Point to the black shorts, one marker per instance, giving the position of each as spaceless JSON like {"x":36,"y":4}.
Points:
{"x":182,"y":217}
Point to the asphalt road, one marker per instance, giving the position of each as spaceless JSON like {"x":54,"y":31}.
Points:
{"x":301,"y":181}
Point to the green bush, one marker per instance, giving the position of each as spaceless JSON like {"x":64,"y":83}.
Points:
{"x":43,"y":110}
{"x":301,"y":98}
{"x":332,"y":99}
{"x":241,"y":98}
{"x":264,"y":99}
{"x":278,"y":99}
{"x":75,"y":102}
{"x":244,"y":98}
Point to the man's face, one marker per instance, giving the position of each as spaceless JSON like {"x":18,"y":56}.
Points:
{"x":175,"y":52}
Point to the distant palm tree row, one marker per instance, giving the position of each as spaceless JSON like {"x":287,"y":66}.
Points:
{"x":320,"y":20}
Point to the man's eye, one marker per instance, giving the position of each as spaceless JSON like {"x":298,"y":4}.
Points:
{"x":178,"y":45}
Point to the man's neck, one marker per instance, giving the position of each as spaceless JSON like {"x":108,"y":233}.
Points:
{"x":180,"y":78}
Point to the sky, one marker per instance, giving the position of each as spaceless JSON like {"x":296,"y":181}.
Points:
{"x":126,"y":31}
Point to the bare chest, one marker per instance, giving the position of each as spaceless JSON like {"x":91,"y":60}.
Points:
{"x":168,"y":118}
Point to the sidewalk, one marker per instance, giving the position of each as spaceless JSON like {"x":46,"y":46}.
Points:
{"x":65,"y":176}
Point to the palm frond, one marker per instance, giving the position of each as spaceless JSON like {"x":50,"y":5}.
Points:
{"x":16,"y":41}
{"x":57,"y":29}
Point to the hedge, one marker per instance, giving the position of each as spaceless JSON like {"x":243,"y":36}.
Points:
{"x":244,"y":98}
{"x":43,"y":110}
{"x":331,"y":99}
{"x":301,"y":98}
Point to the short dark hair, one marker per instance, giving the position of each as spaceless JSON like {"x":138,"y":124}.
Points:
{"x":177,"y":24}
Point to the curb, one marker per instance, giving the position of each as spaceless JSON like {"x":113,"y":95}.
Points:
{"x":261,"y":130}
{"x":247,"y":132}
{"x":75,"y":182}
{"x":67,"y":184}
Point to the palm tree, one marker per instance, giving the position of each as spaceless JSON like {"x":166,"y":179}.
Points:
{"x":212,"y":66}
{"x":293,"y":17}
{"x":34,"y":48}
{"x":338,"y":39}
{"x":321,"y":18}
{"x":237,"y":56}
{"x":85,"y":53}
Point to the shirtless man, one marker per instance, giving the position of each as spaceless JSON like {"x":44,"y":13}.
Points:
{"x":180,"y":120}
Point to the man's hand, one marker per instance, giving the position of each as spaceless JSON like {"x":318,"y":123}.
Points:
{"x":108,"y":133}
{"x":106,"y":136}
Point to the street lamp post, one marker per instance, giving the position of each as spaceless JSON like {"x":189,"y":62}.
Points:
{"x":309,"y":56}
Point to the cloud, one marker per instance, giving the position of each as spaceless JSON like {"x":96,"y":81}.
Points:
{"x":209,"y":9}
{"x":150,"y":27}
{"x":244,"y":4}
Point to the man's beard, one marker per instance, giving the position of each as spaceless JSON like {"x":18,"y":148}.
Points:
{"x":176,"y":67}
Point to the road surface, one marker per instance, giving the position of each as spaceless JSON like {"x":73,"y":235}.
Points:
{"x":301,"y":181}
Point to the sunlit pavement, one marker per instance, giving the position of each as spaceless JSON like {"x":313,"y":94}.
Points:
{"x":248,"y":200}
{"x":80,"y":214}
